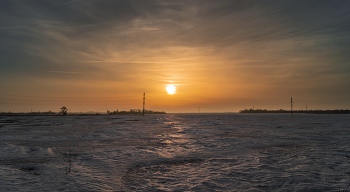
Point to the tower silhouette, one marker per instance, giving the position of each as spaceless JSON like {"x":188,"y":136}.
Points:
{"x":143,"y":110}
{"x":291,"y":105}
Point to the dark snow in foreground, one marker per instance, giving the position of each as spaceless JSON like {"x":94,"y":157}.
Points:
{"x":175,"y":152}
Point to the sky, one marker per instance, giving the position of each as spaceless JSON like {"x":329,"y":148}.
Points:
{"x":222,"y":56}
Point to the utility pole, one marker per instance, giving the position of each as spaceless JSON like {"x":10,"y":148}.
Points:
{"x":143,"y":111}
{"x":291,"y":105}
{"x":306,"y":107}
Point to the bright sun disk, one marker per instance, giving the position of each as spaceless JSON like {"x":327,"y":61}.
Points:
{"x":171,"y":89}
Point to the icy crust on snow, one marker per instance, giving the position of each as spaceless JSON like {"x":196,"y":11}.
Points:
{"x":175,"y":152}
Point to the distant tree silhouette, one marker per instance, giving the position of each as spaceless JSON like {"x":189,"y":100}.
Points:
{"x":64,"y":110}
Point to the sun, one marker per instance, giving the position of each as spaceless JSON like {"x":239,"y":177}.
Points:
{"x":171,"y":89}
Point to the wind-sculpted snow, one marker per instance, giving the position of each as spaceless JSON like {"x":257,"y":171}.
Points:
{"x":175,"y":152}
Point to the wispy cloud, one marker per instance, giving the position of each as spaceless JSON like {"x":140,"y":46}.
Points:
{"x":279,"y":46}
{"x":69,"y":72}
